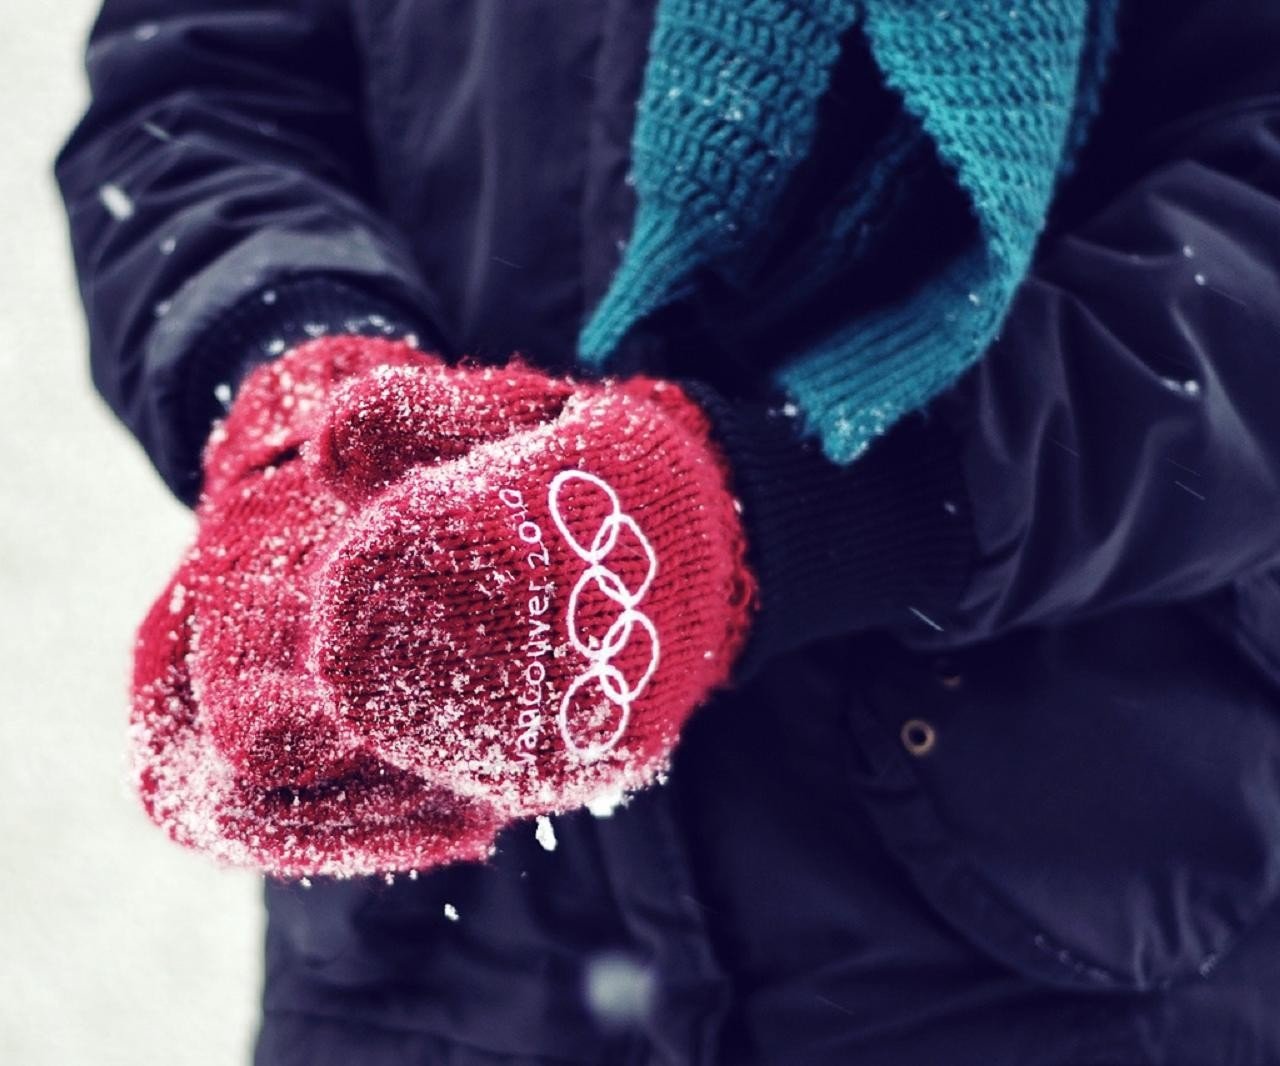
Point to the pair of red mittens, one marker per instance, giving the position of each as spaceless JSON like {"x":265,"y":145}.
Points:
{"x":424,"y":601}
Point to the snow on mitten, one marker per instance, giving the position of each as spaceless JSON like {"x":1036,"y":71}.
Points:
{"x":368,"y":818}
{"x":239,"y":751}
{"x":531,"y":622}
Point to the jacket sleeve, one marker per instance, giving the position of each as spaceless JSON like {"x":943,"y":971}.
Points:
{"x":219,"y":200}
{"x":1119,"y":444}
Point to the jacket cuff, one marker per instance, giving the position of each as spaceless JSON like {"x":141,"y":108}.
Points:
{"x":884,"y":542}
{"x":261,"y":327}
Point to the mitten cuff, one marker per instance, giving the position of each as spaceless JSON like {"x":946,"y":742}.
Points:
{"x":884,"y":542}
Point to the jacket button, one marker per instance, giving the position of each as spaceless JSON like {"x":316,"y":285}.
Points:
{"x":948,"y":676}
{"x":918,"y":737}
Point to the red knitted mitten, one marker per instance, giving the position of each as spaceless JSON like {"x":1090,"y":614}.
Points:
{"x":532,"y":621}
{"x":238,"y":751}
{"x":424,"y":600}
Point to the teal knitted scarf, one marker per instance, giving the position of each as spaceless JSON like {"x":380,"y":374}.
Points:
{"x":1004,"y":90}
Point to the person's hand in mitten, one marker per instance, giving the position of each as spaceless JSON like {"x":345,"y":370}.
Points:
{"x":238,"y":751}
{"x":538,"y":582}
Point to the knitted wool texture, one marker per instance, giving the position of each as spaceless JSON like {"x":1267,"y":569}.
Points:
{"x":532,"y":622}
{"x":238,"y":751}
{"x":728,"y":109}
{"x":426,"y":600}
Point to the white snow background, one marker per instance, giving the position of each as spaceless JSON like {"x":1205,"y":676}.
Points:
{"x":116,"y":946}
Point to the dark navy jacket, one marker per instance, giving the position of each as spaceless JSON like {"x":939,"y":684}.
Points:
{"x":1000,"y":782}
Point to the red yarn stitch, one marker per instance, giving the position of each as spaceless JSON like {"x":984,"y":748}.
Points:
{"x":442,"y":614}
{"x":362,"y":663}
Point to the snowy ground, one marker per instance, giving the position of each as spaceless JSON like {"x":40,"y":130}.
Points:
{"x":115,"y":946}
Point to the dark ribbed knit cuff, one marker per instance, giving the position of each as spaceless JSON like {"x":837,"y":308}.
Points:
{"x":264,"y":325}
{"x":883,"y":542}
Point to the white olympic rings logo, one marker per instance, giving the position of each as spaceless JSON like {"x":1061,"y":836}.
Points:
{"x":600,"y":657}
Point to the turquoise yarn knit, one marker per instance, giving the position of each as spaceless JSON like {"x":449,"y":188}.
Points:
{"x":729,"y":108}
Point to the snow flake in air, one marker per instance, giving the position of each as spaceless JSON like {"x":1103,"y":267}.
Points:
{"x":545,"y":833}
{"x":619,"y":989}
{"x":116,"y":201}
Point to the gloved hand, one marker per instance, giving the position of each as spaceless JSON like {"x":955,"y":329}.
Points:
{"x":531,"y":621}
{"x":237,"y":751}
{"x":425,"y":600}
